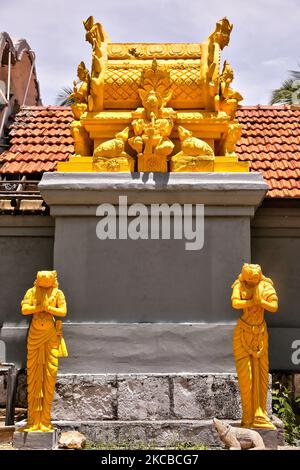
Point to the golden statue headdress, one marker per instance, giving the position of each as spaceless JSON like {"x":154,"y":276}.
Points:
{"x":52,"y":274}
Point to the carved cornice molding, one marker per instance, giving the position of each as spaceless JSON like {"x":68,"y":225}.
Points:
{"x":121,"y":51}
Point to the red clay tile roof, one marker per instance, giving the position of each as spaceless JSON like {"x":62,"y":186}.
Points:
{"x":40,"y":137}
{"x":271,"y":142}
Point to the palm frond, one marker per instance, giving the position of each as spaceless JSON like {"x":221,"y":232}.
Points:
{"x":64,"y":97}
{"x":286,"y":93}
{"x":295,"y":74}
{"x":283,"y":95}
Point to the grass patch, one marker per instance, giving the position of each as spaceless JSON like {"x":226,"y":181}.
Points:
{"x":142,"y":446}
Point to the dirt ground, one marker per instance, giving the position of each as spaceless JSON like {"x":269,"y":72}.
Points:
{"x":8,"y":446}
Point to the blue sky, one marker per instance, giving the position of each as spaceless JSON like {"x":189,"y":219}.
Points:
{"x":264,"y":43}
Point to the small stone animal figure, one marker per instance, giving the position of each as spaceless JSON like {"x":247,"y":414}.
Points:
{"x":114,"y":147}
{"x":238,"y":438}
{"x":191,"y":146}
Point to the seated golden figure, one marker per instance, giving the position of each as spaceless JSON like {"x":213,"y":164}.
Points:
{"x":153,"y":124}
{"x":195,"y":154}
{"x":45,"y":344}
{"x":111,"y":156}
{"x":253,"y":293}
{"x":229,"y":98}
{"x":80,"y":95}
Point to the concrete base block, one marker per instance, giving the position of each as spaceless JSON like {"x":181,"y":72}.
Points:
{"x":35,"y":440}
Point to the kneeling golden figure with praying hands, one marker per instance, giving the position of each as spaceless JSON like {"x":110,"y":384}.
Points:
{"x":45,"y":344}
{"x":253,"y":293}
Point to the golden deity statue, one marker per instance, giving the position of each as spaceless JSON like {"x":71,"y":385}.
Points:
{"x":175,"y":99}
{"x":44,"y":301}
{"x":253,"y":293}
{"x":153,"y":123}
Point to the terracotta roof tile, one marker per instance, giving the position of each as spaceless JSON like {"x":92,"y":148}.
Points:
{"x":271,"y":143}
{"x":40,"y":137}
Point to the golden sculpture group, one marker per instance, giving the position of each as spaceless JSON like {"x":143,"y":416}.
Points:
{"x":44,"y":346}
{"x":155,"y":107}
{"x":253,"y":293}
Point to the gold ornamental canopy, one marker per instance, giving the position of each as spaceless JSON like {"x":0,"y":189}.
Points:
{"x":155,"y":107}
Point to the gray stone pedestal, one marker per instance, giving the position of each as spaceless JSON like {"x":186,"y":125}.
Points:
{"x":35,"y":440}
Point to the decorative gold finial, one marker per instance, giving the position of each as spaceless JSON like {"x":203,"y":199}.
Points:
{"x":221,"y":34}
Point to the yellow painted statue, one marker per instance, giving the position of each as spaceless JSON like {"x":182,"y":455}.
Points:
{"x":253,"y":293}
{"x":43,"y":301}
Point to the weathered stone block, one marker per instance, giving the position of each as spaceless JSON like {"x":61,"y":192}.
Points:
{"x":86,"y":397}
{"x":142,"y":397}
{"x":206,"y":396}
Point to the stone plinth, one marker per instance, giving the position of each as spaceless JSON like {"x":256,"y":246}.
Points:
{"x":6,"y":433}
{"x":35,"y":440}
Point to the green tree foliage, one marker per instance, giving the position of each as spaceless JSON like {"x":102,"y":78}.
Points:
{"x":64,"y":97}
{"x":285,"y":408}
{"x":289,"y":90}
